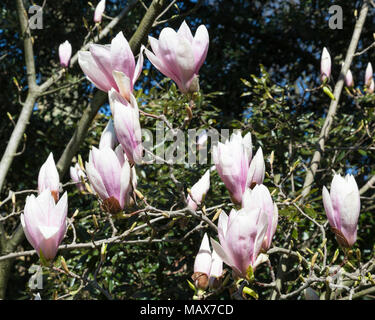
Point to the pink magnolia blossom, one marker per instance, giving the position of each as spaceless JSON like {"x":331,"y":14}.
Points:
{"x":179,"y":55}
{"x":325,"y":65}
{"x":342,"y":206}
{"x":369,"y":81}
{"x":48,"y":178}
{"x":241,"y":237}
{"x":112,"y":66}
{"x":44,"y":222}
{"x":76,"y":174}
{"x":199,"y":191}
{"x":127,"y":126}
{"x":235,"y":166}
{"x":99,"y":10}
{"x":208,"y":266}
{"x":111,"y":177}
{"x":65,"y":52}
{"x":368,"y":74}
{"x":349,"y":79}
{"x":260,"y":198}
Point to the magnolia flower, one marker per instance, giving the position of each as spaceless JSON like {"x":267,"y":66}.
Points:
{"x":44,"y":222}
{"x":108,"y":138}
{"x":48,"y":178}
{"x":65,"y":52}
{"x":369,"y":81}
{"x":202,"y":265}
{"x":237,"y":169}
{"x":77,"y":174}
{"x":342,"y":206}
{"x":368,"y":74}
{"x":349,"y":79}
{"x":241,"y":237}
{"x":111,"y":177}
{"x":198,"y":191}
{"x":99,"y":10}
{"x":325,"y":65}
{"x":112,"y":66}
{"x":208,"y":267}
{"x":127,"y":126}
{"x":179,"y":55}
{"x":260,"y":198}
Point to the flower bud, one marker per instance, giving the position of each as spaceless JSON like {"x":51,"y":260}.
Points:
{"x":368,"y":74}
{"x":65,"y":52}
{"x":48,"y":178}
{"x":127,"y":126}
{"x":349,"y":79}
{"x":77,"y":174}
{"x":342,"y":206}
{"x":325,"y":65}
{"x":199,"y":191}
{"x":208,"y":267}
{"x":99,"y":10}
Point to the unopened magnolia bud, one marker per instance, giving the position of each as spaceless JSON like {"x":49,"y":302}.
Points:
{"x":200,"y":280}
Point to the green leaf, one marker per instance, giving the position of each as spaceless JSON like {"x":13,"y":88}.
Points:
{"x":250,"y":273}
{"x":329,"y":93}
{"x":192,"y":286}
{"x":295,"y":234}
{"x":250,"y":292}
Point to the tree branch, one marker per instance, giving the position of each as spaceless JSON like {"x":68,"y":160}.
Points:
{"x":100,"y":97}
{"x":324,"y":133}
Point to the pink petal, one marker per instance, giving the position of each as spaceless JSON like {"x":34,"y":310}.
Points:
{"x":121,"y":56}
{"x":200,"y":47}
{"x":93,"y":72}
{"x":102,"y":56}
